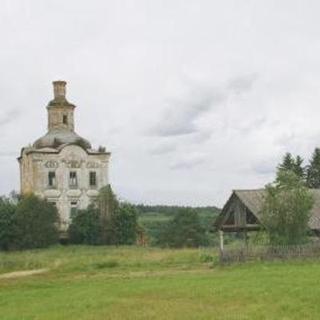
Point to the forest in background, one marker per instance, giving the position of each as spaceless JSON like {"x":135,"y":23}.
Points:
{"x":153,"y":218}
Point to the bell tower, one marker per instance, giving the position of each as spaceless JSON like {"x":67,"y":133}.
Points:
{"x":60,"y":111}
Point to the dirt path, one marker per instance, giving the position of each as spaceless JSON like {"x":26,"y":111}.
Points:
{"x":19,"y":274}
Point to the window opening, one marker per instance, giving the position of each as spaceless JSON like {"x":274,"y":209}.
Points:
{"x":65,"y":119}
{"x":73,"y":183}
{"x":51,"y":179}
{"x":92,"y":179}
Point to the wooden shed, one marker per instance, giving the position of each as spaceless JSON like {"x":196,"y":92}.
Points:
{"x":242,"y":211}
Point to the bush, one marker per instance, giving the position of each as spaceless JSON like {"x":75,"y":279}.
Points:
{"x":36,"y":223}
{"x":85,"y":227}
{"x":92,"y":227}
{"x":205,"y":257}
{"x":7,"y":223}
{"x":184,"y":230}
{"x":124,"y":226}
{"x":287,"y":209}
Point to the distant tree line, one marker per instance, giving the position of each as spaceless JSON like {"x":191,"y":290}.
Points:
{"x":178,"y":226}
{"x":171,"y":210}
{"x":184,"y":229}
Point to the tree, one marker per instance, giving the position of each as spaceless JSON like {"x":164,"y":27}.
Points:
{"x":184,"y":230}
{"x":106,"y":221}
{"x":124,"y":225}
{"x":313,"y":170}
{"x":286,"y":210}
{"x":36,"y":223}
{"x":289,"y":163}
{"x":85,"y":227}
{"x":107,"y":204}
{"x":298,"y":168}
{"x":7,"y":223}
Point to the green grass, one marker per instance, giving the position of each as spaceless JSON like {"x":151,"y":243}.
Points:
{"x":149,"y":283}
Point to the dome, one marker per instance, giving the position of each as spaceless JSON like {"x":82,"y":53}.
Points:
{"x":56,"y":138}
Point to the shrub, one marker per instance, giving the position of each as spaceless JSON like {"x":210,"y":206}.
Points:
{"x":286,"y":210}
{"x":7,"y":222}
{"x":35,"y":223}
{"x":85,"y":227}
{"x":123,"y":225}
{"x":205,"y":257}
{"x":184,"y":230}
{"x":105,"y":222}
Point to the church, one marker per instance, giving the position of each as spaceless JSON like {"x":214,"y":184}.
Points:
{"x":61,"y":166}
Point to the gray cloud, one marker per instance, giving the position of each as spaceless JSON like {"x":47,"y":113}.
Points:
{"x":8,"y":153}
{"x":9,"y":116}
{"x":190,"y":162}
{"x":180,"y":117}
{"x":242,"y":84}
{"x":201,"y":136}
{"x":297,"y":140}
{"x":265,"y":167}
{"x":160,"y":149}
{"x":255,"y":124}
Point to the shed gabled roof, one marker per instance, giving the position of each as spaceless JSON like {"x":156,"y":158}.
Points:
{"x":253,"y":200}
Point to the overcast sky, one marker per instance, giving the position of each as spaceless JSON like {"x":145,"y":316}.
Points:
{"x":193,"y":98}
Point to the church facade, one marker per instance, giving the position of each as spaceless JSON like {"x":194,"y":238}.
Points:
{"x":61,"y":166}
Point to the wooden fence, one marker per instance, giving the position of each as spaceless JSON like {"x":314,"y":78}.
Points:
{"x":242,"y":254}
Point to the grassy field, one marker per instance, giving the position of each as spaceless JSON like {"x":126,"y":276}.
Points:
{"x":148,"y":283}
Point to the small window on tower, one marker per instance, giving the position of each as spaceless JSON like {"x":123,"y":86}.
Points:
{"x":65,"y":119}
{"x":93,"y":179}
{"x":51,"y":179}
{"x":73,"y":183}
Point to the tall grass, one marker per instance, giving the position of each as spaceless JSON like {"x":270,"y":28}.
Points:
{"x":85,"y":258}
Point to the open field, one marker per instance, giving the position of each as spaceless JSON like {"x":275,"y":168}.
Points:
{"x":149,"y":283}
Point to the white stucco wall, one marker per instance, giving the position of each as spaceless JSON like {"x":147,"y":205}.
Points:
{"x":35,"y":164}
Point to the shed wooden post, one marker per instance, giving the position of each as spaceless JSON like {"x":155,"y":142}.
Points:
{"x":246,"y":239}
{"x":221,"y":241}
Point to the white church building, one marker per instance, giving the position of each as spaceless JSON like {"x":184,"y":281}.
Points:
{"x":61,"y":166}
